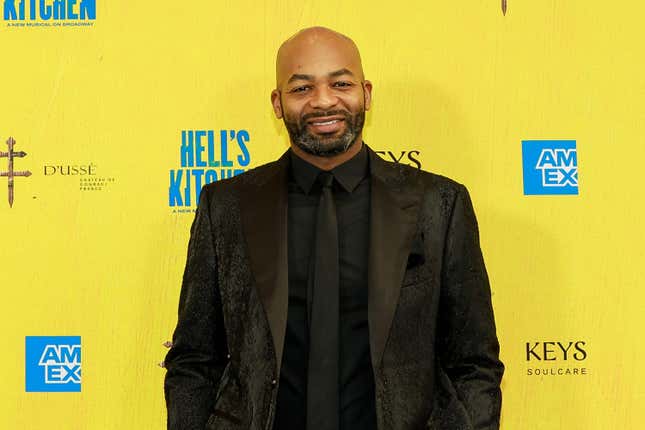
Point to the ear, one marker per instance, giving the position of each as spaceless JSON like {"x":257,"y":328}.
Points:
{"x":367,"y":94}
{"x":275,"y":102}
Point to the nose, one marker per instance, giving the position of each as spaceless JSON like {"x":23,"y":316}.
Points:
{"x":323,"y":98}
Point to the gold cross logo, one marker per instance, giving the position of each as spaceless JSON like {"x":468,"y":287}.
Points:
{"x":10,"y":173}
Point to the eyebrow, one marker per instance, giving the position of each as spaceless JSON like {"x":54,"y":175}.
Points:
{"x":303,"y":77}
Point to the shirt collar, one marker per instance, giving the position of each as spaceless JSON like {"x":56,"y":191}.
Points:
{"x":348,"y":175}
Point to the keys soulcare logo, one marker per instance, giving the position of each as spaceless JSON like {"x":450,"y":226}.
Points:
{"x":557,"y":358}
{"x":411,"y":158}
{"x":550,"y":167}
{"x":53,"y":363}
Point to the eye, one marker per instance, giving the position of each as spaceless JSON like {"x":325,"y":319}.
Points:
{"x":300,"y":89}
{"x":342,"y":84}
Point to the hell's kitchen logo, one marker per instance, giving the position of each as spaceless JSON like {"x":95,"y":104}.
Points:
{"x":49,"y":10}
{"x":10,"y":173}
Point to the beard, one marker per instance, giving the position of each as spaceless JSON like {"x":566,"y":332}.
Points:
{"x":321,"y":145}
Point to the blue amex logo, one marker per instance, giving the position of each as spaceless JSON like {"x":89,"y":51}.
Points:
{"x":550,"y":167}
{"x":53,"y":363}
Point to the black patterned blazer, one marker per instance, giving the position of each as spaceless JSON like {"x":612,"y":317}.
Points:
{"x":434,"y":348}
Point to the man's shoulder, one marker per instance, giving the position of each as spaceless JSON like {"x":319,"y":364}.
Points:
{"x":427,"y":180}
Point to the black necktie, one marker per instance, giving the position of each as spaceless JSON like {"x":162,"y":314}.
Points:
{"x":322,"y":373}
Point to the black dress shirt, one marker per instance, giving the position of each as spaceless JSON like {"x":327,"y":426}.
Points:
{"x":351,"y":192}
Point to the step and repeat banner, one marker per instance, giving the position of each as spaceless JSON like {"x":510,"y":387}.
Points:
{"x":114,"y":113}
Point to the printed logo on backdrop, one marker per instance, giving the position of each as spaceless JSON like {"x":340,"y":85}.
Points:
{"x":550,"y":167}
{"x":52,"y":364}
{"x":411,"y":158}
{"x":87,"y":175}
{"x":206,"y":156}
{"x":11,"y":173}
{"x":556,"y":358}
{"x":49,"y":13}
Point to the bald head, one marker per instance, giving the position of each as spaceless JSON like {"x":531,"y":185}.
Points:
{"x":315,"y":49}
{"x":322,"y":95}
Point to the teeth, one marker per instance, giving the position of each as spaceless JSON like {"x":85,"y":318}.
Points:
{"x":326,"y":122}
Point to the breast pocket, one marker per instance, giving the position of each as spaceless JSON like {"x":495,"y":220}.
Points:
{"x":416,"y":271}
{"x":416,"y":267}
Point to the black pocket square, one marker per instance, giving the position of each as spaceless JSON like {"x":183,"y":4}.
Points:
{"x":417,"y":254}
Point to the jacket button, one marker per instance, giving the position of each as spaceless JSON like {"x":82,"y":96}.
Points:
{"x":274,"y":382}
{"x":228,"y":356}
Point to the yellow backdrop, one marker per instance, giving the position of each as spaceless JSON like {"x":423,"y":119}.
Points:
{"x":100,"y":254}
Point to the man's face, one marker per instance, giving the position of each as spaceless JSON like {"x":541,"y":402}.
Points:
{"x":321,"y":95}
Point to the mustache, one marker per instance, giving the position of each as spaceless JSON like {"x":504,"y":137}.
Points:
{"x":311,"y":115}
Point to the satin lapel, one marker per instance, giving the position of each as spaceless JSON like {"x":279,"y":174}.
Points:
{"x":395,"y":200}
{"x":263,"y":205}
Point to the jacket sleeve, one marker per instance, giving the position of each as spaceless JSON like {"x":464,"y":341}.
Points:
{"x":468,"y":345}
{"x":196,"y":359}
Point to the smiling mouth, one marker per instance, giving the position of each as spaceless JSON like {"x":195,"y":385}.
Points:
{"x":333,"y":121}
{"x":326,"y":126}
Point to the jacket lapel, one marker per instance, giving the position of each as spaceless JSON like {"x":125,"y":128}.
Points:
{"x":263,"y":207}
{"x":395,"y":201}
{"x":394,"y":208}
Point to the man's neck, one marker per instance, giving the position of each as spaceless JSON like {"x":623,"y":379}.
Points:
{"x":328,"y":163}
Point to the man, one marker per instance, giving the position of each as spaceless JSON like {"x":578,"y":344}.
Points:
{"x":331,"y":289}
